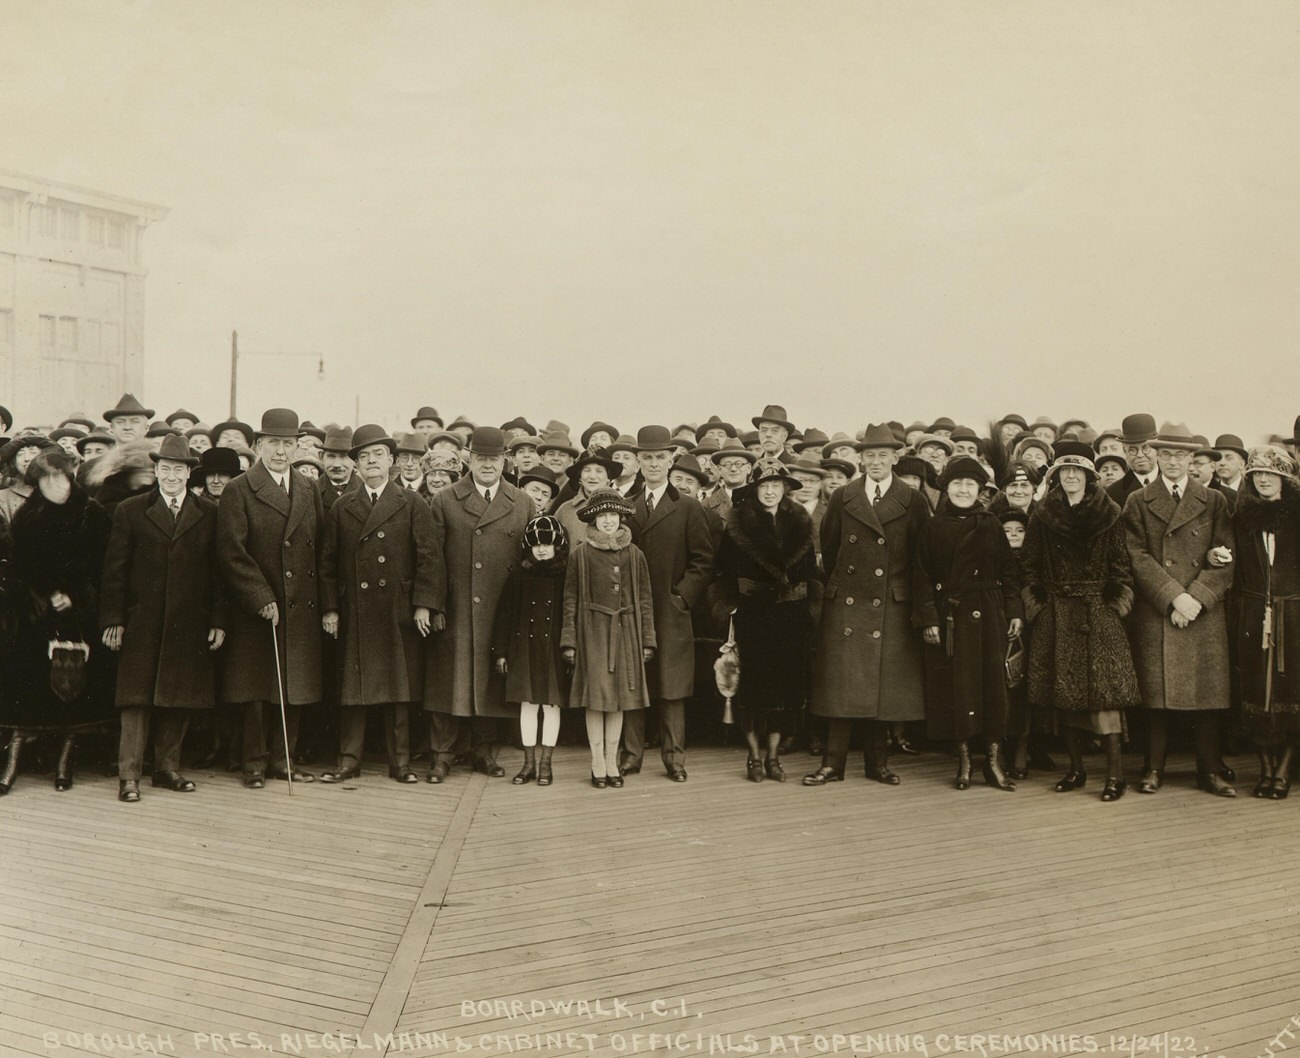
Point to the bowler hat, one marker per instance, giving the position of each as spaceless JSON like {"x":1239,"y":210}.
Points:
{"x":613,"y":468}
{"x":338,"y":440}
{"x":963,"y":433}
{"x":424,"y":413}
{"x":597,"y":427}
{"x":371,"y":434}
{"x":71,"y":420}
{"x":181,"y":413}
{"x":1137,"y":429}
{"x":545,"y":476}
{"x":233,"y":424}
{"x":310,"y":429}
{"x":487,"y":441}
{"x":773,"y":413}
{"x":519,"y":423}
{"x":879,"y":435}
{"x":941,"y":423}
{"x":731,"y":448}
{"x":1232,"y":443}
{"x":688,"y":464}
{"x":175,"y":448}
{"x":412,"y":444}
{"x":654,"y":439}
{"x":714,"y":422}
{"x":1174,"y":435}
{"x":220,"y":461}
{"x":1019,"y":420}
{"x":280,"y":422}
{"x":66,"y":431}
{"x":128,"y":405}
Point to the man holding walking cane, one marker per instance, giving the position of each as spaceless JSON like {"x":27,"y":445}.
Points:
{"x":268,"y":529}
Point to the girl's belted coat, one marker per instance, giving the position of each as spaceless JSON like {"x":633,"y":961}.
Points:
{"x":526,"y":633}
{"x":1178,"y":668}
{"x":868,"y":660}
{"x":376,"y":566}
{"x":267,"y":546}
{"x":161,"y":584}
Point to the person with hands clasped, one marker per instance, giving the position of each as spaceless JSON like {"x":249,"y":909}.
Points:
{"x":609,"y":628}
{"x":1178,"y":629}
{"x":377,"y":588}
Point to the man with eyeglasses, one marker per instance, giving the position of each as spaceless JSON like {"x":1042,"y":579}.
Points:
{"x":1136,"y":434}
{"x":733,"y":461}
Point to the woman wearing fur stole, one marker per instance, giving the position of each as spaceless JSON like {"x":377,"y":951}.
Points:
{"x":1078,"y":589}
{"x":765,"y":573}
{"x":1266,"y":597}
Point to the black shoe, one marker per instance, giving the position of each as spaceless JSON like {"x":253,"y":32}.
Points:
{"x":754,"y":770}
{"x":487,"y":766}
{"x":1113,"y":790}
{"x":283,"y":776}
{"x":526,"y":774}
{"x":405,"y":775}
{"x":344,"y":774}
{"x":254,"y":780}
{"x":1073,"y":780}
{"x":1214,"y":784}
{"x":677,"y":774}
{"x":1280,"y":788}
{"x":599,"y":781}
{"x":616,"y":781}
{"x":1226,"y":773}
{"x":774,"y":770}
{"x":883,"y":775}
{"x":173,"y":780}
{"x":439,"y":772}
{"x":63,"y":770}
{"x":962,"y":782}
{"x":1151,"y":781}
{"x":1041,"y":760}
{"x":628,"y":768}
{"x":901,"y":745}
{"x":822,"y":776}
{"x":128,"y":790}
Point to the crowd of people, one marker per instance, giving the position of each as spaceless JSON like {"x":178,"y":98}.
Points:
{"x":266,"y":591}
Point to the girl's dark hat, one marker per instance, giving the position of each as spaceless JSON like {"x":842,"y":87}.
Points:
{"x":233,"y":424}
{"x":1019,"y":470}
{"x":30,"y":440}
{"x":613,"y":468}
{"x":606,"y":500}
{"x":543,"y":475}
{"x":916,"y":467}
{"x":963,"y":467}
{"x":280,"y":422}
{"x":128,"y":405}
{"x":371,"y":434}
{"x":878,"y":435}
{"x":1110,"y":457}
{"x":220,"y":461}
{"x":775,"y":470}
{"x":175,"y":448}
{"x":544,"y":530}
{"x":597,"y":427}
{"x":1013,"y":514}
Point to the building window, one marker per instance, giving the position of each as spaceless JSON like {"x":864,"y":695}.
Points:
{"x":94,"y":229}
{"x":116,"y":234}
{"x":67,"y":336}
{"x":70,"y":223}
{"x":47,"y":335}
{"x":7,"y":211}
{"x":47,"y":220}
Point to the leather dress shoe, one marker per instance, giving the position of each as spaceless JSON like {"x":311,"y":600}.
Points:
{"x":1072,"y":780}
{"x":677,"y":774}
{"x":283,"y":776}
{"x":254,"y":780}
{"x":341,"y":774}
{"x":1113,"y":790}
{"x":1151,"y":781}
{"x":883,"y":775}
{"x":1226,"y":772}
{"x":488,"y":766}
{"x":902,"y":745}
{"x":599,"y":781}
{"x":128,"y":790}
{"x":173,"y":780}
{"x":616,"y":781}
{"x":1214,"y":784}
{"x":439,"y":772}
{"x":822,"y":776}
{"x":403,"y":775}
{"x":628,"y":768}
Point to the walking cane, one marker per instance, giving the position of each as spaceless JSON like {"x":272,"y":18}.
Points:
{"x":284,"y":718}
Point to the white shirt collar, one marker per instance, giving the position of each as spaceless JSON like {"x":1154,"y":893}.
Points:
{"x":179,"y":501}
{"x":377,"y":491}
{"x":483,"y":489}
{"x":870,"y":485}
{"x":1181,"y":486}
{"x":280,"y":479}
{"x":1234,"y":485}
{"x":656,"y":494}
{"x":413,"y":486}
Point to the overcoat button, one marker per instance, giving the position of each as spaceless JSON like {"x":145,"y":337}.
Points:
{"x":975,"y":614}
{"x":383,"y":583}
{"x":382,"y":560}
{"x":1169,"y":562}
{"x":875,"y":602}
{"x":880,"y":572}
{"x":853,"y":538}
{"x":380,"y":534}
{"x":311,"y":606}
{"x":364,"y":585}
{"x":476,"y":598}
{"x":848,"y":601}
{"x":875,"y":634}
{"x":848,"y":631}
{"x":287,"y":543}
{"x":849,"y":569}
{"x":1196,"y":532}
{"x":478,"y":565}
{"x":938,"y":586}
{"x":478,"y":532}
{"x":881,"y":541}
{"x":288,"y":573}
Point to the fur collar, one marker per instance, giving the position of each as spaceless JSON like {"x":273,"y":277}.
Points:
{"x":1260,"y":516}
{"x":615,"y":541}
{"x":1079,"y":523}
{"x":777,"y":545}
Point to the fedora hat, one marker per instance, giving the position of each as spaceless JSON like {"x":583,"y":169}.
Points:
{"x":279,"y":422}
{"x":175,"y":448}
{"x":426,"y":413}
{"x":487,"y":441}
{"x":622,"y":443}
{"x":1019,"y":420}
{"x":461,"y":423}
{"x":556,"y":442}
{"x":519,"y":423}
{"x":412,"y":444}
{"x":598,"y":427}
{"x":879,"y":435}
{"x":733,"y":447}
{"x":310,"y":429}
{"x":941,"y":423}
{"x":1137,"y":429}
{"x":1102,"y":435}
{"x":95,"y":437}
{"x":714,"y":422}
{"x":812,"y":438}
{"x":1175,"y":435}
{"x":181,"y":413}
{"x":613,"y":468}
{"x":338,"y":440}
{"x":688,"y":464}
{"x":66,"y":431}
{"x":128,"y":405}
{"x":447,"y":435}
{"x":804,"y":464}
{"x":371,"y":434}
{"x":71,"y":420}
{"x":159,"y":429}
{"x":1232,"y":443}
{"x":839,"y":439}
{"x":233,"y":424}
{"x":935,"y":439}
{"x":842,"y":465}
{"x":543,"y":474}
{"x":220,"y":461}
{"x":654,"y":439}
{"x":773,"y":413}
{"x":1044,"y":420}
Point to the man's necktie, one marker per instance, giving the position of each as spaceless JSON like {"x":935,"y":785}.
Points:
{"x":487,"y":496}
{"x":174,"y":507}
{"x":373,"y":496}
{"x":1177,"y":494}
{"x":649,"y":503}
{"x":876,"y":498}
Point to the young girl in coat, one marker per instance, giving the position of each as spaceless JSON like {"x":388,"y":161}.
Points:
{"x":609,"y":629}
{"x":526,"y":642}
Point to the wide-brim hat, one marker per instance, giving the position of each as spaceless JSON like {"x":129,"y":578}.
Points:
{"x":654,"y":439}
{"x":775,"y":470}
{"x":622,"y":443}
{"x":371,"y":434}
{"x":803,"y":464}
{"x":181,"y":413}
{"x":522,"y":441}
{"x":1205,"y":449}
{"x":1019,"y":420}
{"x":733,"y":447}
{"x":27,"y":440}
{"x":95,"y":437}
{"x":128,"y":405}
{"x":934,"y":439}
{"x":519,"y":423}
{"x":839,"y":439}
{"x":279,"y":422}
{"x":160,"y":429}
{"x":813,"y":438}
{"x":544,"y":475}
{"x":462,"y":423}
{"x":233,"y":424}
{"x":220,"y":461}
{"x":964,"y":467}
{"x":174,"y":447}
{"x":310,"y":429}
{"x":1270,"y":459}
{"x":71,"y":420}
{"x":1231,"y":443}
{"x":613,"y":468}
{"x":597,"y":427}
{"x":879,"y":435}
{"x":773,"y":413}
{"x":1118,"y":435}
{"x":66,"y":431}
{"x":1137,"y":429}
{"x":426,"y":413}
{"x":714,"y":422}
{"x":963,"y":433}
{"x":338,"y":441}
{"x":688,"y":464}
{"x":557,"y":442}
{"x":1174,"y":435}
{"x":487,"y":441}
{"x":412,"y":444}
{"x":1075,"y":454}
{"x":842,"y":465}
{"x":603,"y":501}
{"x":941,"y":423}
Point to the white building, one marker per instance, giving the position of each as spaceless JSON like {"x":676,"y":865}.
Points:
{"x":71,"y":297}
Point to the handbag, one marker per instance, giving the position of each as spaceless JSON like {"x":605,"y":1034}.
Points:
{"x":726,"y":671}
{"x":68,"y":659}
{"x":1016,"y":661}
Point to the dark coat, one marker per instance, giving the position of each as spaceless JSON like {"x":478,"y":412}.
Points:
{"x":1078,"y":588}
{"x":678,"y":548}
{"x":1125,"y":487}
{"x":766,"y":570}
{"x":1178,"y":668}
{"x":1233,"y":496}
{"x":266,"y":552}
{"x":160,"y":583}
{"x":376,"y":566}
{"x":526,"y":634}
{"x":869,"y":653}
{"x":966,"y":582}
{"x":329,"y":492}
{"x":608,"y":621}
{"x":1258,"y":584}
{"x":476,"y":546}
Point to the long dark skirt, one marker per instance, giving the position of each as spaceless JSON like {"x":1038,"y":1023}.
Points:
{"x":29,"y":702}
{"x":773,"y":640}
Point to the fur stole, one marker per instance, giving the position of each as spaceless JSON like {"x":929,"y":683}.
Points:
{"x":777,"y":545}
{"x":1078,"y":523}
{"x":615,"y":541}
{"x":133,"y":456}
{"x":1255,"y":516}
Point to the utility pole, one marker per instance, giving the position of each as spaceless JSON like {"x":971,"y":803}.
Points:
{"x":234,"y":371}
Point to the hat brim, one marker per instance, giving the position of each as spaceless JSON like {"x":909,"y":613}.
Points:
{"x":387,"y":442}
{"x":121,"y":413}
{"x":1177,"y":446}
{"x":542,"y":449}
{"x":550,"y":483}
{"x":189,"y":461}
{"x":758,"y":421}
{"x":667,"y":446}
{"x":862,"y":446}
{"x":613,"y":468}
{"x":728,"y":453}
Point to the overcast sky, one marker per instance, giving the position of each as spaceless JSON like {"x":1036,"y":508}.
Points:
{"x":654,"y":211}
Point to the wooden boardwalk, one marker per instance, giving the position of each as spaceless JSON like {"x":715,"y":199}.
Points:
{"x":715,"y":917}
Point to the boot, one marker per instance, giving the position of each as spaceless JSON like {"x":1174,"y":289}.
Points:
{"x":1267,"y":769}
{"x":529,"y":771}
{"x":544,"y":766}
{"x":993,"y":774}
{"x":63,"y":772}
{"x":9,"y":772}
{"x":963,"y":766}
